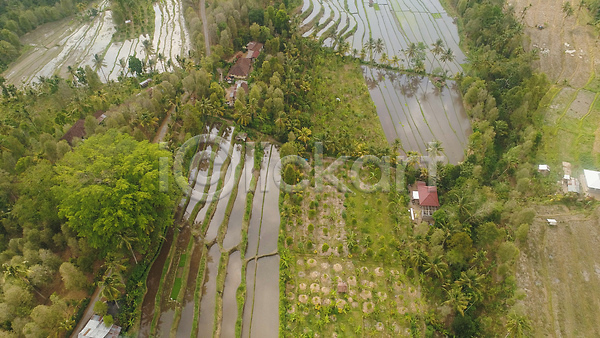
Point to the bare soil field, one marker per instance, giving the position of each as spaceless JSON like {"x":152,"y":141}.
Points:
{"x":559,"y":271}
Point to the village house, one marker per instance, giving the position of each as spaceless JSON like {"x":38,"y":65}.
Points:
{"x":233,"y":91}
{"x":78,"y":129}
{"x":240,"y":70}
{"x":427,"y":198}
{"x":95,"y":328}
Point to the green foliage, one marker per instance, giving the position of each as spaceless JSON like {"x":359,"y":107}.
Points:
{"x":100,"y":308}
{"x":72,"y":277}
{"x":110,"y":189}
{"x":108,"y":320}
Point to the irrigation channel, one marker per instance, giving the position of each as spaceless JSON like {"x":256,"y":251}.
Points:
{"x":56,"y":46}
{"x":411,"y":108}
{"x":227,"y":240}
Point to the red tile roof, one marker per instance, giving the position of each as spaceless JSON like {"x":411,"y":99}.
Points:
{"x":427,"y":195}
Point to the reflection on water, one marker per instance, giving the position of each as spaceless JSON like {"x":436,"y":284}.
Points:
{"x":414,"y":110}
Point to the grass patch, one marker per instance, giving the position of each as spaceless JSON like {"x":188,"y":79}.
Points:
{"x":354,"y":117}
{"x":176,"y":288}
{"x":182,"y":260}
{"x":436,"y":15}
{"x":376,"y":7}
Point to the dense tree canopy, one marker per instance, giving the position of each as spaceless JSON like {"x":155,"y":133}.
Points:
{"x":110,"y":192}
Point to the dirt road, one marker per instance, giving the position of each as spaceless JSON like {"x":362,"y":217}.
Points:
{"x":205,"y":26}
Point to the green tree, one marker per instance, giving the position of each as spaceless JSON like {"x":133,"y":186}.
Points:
{"x":517,"y":325}
{"x":100,"y":64}
{"x":135,"y":65}
{"x":110,"y":187}
{"x":111,"y":285}
{"x":72,"y":277}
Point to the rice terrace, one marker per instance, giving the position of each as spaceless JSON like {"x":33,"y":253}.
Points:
{"x":299,"y":168}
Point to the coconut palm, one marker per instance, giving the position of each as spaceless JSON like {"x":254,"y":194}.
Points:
{"x":126,"y":240}
{"x":518,"y":325}
{"x":472,"y":283}
{"x":378,"y":46}
{"x":395,"y":60}
{"x":243,"y":116}
{"x":304,"y":135}
{"x":355,"y":52}
{"x":436,"y":267}
{"x":110,"y":285}
{"x":457,"y":300}
{"x":99,"y":63}
{"x":384,"y":59}
{"x":434,"y":148}
{"x":148,"y":48}
{"x":162,"y":59}
{"x":204,"y":107}
{"x":369,"y":46}
{"x":447,"y":56}
{"x":437,"y":47}
{"x":124,"y":66}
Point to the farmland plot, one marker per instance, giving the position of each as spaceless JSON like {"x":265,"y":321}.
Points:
{"x":67,"y":43}
{"x":416,"y":112}
{"x":411,"y":109}
{"x":396,"y":22}
{"x":204,"y":267}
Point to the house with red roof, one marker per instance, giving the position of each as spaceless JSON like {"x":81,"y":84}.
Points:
{"x":427,"y":198}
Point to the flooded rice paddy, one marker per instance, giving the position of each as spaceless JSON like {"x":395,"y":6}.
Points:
{"x":416,"y":112}
{"x":56,"y":46}
{"x":411,"y":108}
{"x":202,"y":271}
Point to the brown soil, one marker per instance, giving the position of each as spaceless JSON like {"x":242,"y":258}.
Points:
{"x":560,"y":34}
{"x":559,"y":273}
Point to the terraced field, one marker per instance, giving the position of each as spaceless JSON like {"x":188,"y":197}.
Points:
{"x":58,"y":45}
{"x":397,"y":23}
{"x":411,"y":108}
{"x":227,"y":248}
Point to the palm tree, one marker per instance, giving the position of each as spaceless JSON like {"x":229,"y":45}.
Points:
{"x":448,"y":56}
{"x":99,"y":63}
{"x":434,"y":148}
{"x":127,"y":241}
{"x":18,"y":272}
{"x":378,"y":46}
{"x":205,"y":107}
{"x":162,"y":59}
{"x":148,"y":48}
{"x":436,"y":267}
{"x":457,"y":300}
{"x":124,"y":66}
{"x":243,"y":117}
{"x":412,"y":51}
{"x":384,"y":59}
{"x":110,"y":285}
{"x":304,"y":135}
{"x":395,"y":60}
{"x":518,"y":325}
{"x":413,"y":158}
{"x":438,"y":47}
{"x":151,"y":64}
{"x":369,"y":46}
{"x":355,"y":52}
{"x":471,"y":282}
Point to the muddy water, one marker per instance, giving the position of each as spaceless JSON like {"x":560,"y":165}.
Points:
{"x":165,"y":322}
{"x":230,"y":307}
{"x":269,"y":228}
{"x":209,"y":290}
{"x":187,"y":314}
{"x":154,"y":276}
{"x":413,"y":110}
{"x":257,"y":206}
{"x":200,"y":175}
{"x":265,"y":317}
{"x":249,"y":302}
{"x":234,"y":228}
{"x":70,"y":43}
{"x":219,"y":214}
{"x":397,"y":23}
{"x":218,"y":162}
